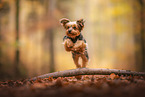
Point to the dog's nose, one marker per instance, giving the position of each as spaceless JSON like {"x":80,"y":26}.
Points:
{"x":69,"y":31}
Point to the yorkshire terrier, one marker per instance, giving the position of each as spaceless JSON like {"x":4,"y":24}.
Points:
{"x":74,"y":41}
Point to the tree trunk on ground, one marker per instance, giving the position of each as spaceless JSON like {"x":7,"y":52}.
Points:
{"x":88,"y":71}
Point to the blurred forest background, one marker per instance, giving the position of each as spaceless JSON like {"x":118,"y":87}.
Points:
{"x":31,"y":35}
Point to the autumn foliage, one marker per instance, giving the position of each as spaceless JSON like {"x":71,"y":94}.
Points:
{"x":78,"y":86}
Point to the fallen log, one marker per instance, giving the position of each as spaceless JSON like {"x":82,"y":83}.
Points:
{"x":89,"y":71}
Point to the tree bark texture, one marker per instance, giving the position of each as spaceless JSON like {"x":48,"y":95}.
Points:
{"x":89,"y":71}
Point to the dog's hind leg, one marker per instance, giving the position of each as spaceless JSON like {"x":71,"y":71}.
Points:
{"x":76,"y":60}
{"x":85,"y":59}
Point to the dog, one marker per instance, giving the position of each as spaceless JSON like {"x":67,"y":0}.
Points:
{"x":74,"y":41}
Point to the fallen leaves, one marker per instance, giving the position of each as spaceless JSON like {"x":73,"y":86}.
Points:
{"x":113,"y":76}
{"x":92,"y":85}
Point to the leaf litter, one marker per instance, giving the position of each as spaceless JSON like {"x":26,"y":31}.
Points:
{"x":82,"y":86}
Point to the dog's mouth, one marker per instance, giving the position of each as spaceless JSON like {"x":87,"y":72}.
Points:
{"x":73,"y":33}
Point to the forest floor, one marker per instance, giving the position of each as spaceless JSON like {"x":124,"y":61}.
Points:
{"x":85,"y":86}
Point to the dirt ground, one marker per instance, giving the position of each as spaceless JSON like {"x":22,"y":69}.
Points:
{"x":76,"y":86}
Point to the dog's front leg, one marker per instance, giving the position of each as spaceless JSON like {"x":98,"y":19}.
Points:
{"x":68,"y":45}
{"x":80,"y":46}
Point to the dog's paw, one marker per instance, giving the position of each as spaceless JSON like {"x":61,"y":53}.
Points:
{"x":80,"y":50}
{"x":69,"y":43}
{"x":79,"y":46}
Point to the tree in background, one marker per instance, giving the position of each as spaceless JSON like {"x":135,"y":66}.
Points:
{"x":4,"y":10}
{"x":17,"y":52}
{"x":139,"y":30}
{"x":50,"y":30}
{"x":142,"y":33}
{"x":0,"y":35}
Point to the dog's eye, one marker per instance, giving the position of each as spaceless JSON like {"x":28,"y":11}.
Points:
{"x":68,"y":27}
{"x":74,"y":27}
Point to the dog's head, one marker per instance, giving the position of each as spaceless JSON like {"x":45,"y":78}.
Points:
{"x":73,"y":29}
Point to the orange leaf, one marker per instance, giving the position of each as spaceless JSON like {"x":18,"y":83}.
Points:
{"x":112,"y":76}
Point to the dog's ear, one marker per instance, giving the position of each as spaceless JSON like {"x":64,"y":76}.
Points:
{"x":63,"y":21}
{"x":80,"y":23}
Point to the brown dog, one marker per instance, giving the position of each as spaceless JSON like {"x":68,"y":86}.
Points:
{"x":74,"y":41}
